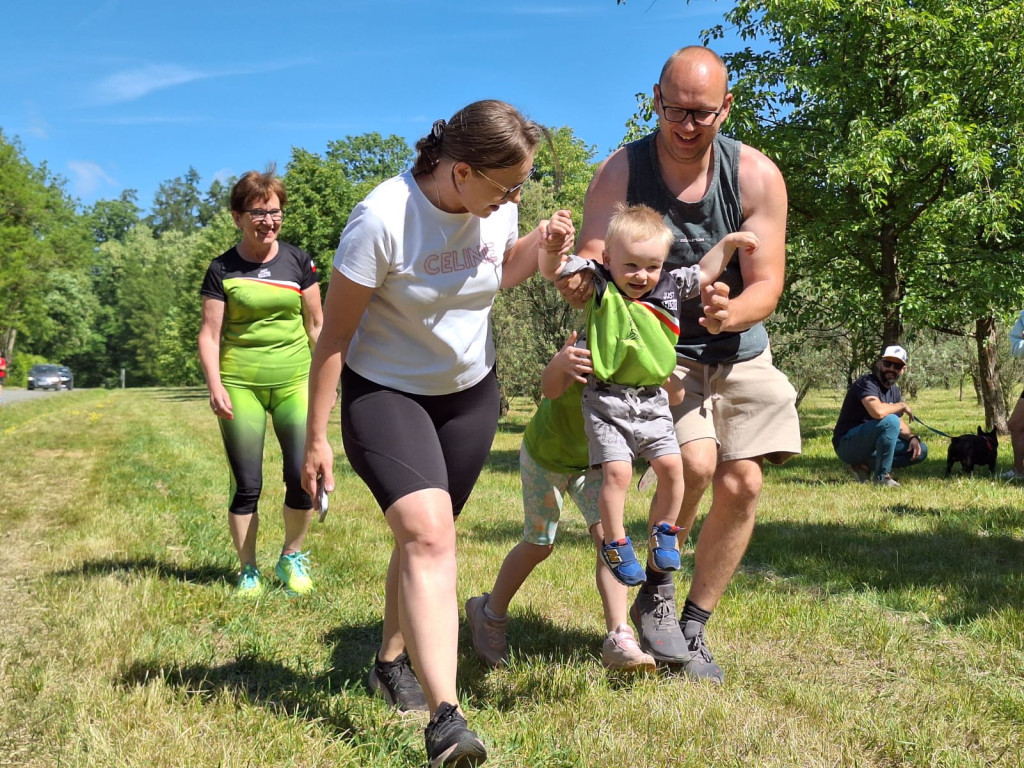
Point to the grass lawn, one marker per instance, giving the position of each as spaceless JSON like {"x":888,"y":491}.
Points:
{"x":866,"y":627}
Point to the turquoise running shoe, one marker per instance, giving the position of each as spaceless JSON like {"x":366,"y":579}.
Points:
{"x":250,"y":582}
{"x":293,"y":570}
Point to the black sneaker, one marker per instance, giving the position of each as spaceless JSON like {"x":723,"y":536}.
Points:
{"x":702,"y":664}
{"x":450,"y":742}
{"x":658,"y":631}
{"x":396,"y":683}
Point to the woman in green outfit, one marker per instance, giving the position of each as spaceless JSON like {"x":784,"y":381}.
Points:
{"x":261,"y":317}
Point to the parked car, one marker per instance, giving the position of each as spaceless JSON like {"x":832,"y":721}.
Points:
{"x":67,"y":377}
{"x":44,"y":377}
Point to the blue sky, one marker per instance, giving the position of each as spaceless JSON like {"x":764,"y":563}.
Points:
{"x":118,"y":94}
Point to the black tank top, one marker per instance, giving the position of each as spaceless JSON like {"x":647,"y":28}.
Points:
{"x":697,"y":227}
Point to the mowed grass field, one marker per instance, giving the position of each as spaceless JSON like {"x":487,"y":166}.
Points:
{"x":866,"y":627}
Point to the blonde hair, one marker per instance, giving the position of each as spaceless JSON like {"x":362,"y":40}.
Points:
{"x":637,"y":223}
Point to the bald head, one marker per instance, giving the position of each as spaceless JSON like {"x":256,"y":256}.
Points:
{"x":696,"y":63}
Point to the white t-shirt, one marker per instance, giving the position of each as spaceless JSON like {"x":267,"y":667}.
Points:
{"x":427,"y":329}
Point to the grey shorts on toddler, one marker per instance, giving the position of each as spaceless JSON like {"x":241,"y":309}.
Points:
{"x":623,"y":423}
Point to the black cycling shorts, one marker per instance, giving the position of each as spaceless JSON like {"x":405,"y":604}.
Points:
{"x":399,"y":443}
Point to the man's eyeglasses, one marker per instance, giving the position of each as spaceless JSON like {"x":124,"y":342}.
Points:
{"x":704,"y":117}
{"x":893,"y":365}
{"x":507,"y":192}
{"x":259,"y":214}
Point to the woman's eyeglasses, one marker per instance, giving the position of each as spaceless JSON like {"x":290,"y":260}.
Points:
{"x":507,"y":192}
{"x":259,"y":214}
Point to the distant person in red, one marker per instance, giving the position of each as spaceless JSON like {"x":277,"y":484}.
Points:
{"x":3,"y":375}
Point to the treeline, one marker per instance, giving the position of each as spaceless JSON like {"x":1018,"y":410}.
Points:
{"x":106,"y":288}
{"x":896,"y":123}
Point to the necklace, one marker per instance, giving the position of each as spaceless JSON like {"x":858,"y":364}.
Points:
{"x":437,"y":190}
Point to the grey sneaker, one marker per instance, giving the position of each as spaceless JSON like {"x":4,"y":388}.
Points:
{"x":654,"y":616}
{"x":489,"y":640}
{"x":450,"y":742}
{"x":396,"y":683}
{"x":620,"y":651}
{"x":886,"y":481}
{"x":860,"y":472}
{"x":701,"y":665}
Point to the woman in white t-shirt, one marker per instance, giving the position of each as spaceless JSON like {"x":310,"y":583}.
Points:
{"x":407,"y":327}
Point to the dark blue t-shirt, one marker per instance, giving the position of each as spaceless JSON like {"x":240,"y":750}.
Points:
{"x":853,"y":413}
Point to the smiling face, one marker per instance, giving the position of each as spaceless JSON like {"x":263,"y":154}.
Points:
{"x":693,"y":81}
{"x":635,"y":266}
{"x":888,"y":371}
{"x":259,"y":233}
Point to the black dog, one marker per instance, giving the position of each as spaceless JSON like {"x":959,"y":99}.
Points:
{"x":973,"y":450}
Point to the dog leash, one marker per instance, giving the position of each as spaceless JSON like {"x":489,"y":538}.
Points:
{"x":933,"y":429}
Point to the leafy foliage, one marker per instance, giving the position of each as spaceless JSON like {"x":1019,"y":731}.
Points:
{"x":42,"y":237}
{"x":893,"y":123}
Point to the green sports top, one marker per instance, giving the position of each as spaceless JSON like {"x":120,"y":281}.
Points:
{"x":263,"y":339}
{"x":632,"y":341}
{"x":554,"y":438}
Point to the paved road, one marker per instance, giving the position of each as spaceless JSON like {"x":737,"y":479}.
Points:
{"x":15,"y":395}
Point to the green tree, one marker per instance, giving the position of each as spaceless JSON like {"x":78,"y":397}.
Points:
{"x":177,"y":357}
{"x":42,"y":235}
{"x":887,"y":117}
{"x":370,"y":158}
{"x":113,"y":219}
{"x":177,"y":205}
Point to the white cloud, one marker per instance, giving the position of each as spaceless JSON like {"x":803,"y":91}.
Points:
{"x":136,"y":83}
{"x":223,"y":175}
{"x":88,"y":177}
{"x":128,"y":86}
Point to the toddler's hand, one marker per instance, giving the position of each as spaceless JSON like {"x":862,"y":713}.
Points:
{"x":746,"y":243}
{"x":716,"y":307}
{"x":558,"y":235}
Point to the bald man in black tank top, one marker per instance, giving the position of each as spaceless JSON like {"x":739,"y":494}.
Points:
{"x":738,"y":409}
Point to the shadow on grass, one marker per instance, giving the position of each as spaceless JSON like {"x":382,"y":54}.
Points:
{"x":250,"y":678}
{"x":550,"y":663}
{"x":829,"y":470}
{"x":503,"y":461}
{"x":180,"y":393}
{"x":197,"y":574}
{"x":975,"y":572}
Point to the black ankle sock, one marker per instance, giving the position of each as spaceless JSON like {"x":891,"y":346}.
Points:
{"x":656,"y":579}
{"x":693,"y":612}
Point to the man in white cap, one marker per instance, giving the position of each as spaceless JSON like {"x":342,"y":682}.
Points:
{"x":870,"y":436}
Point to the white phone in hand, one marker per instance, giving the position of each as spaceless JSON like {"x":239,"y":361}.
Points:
{"x":321,"y":502}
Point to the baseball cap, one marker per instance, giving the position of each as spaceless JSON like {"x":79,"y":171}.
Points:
{"x":895,"y":353}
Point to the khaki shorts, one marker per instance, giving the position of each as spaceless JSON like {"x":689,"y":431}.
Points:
{"x":748,"y":407}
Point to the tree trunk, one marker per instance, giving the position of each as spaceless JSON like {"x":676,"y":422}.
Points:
{"x":988,"y":379}
{"x":7,"y":343}
{"x":892,"y":291}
